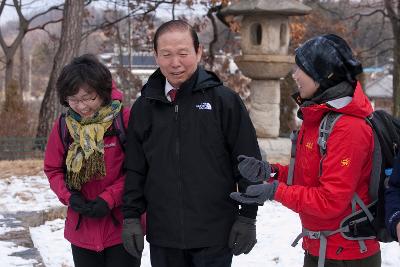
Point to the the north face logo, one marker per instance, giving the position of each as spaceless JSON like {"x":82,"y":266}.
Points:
{"x":204,"y":105}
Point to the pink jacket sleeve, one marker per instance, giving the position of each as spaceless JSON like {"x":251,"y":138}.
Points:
{"x":54,"y":165}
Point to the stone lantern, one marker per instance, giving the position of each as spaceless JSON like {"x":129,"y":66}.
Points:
{"x":265,"y":38}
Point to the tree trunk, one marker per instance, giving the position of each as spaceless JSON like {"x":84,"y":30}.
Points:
{"x":393,"y":11}
{"x":9,"y":73}
{"x":22,"y":69}
{"x":9,"y":79}
{"x":71,"y":32}
{"x":396,"y":76}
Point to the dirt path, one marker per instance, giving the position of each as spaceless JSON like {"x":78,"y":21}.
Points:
{"x":20,"y":167}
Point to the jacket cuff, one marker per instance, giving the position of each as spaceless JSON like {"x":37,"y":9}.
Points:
{"x":393,"y":221}
{"x":282,"y":172}
{"x":67,"y":198}
{"x":108,"y":198}
{"x":129,"y":214}
{"x":249,"y":211}
{"x":279,"y":193}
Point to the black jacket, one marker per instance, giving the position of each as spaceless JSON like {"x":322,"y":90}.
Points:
{"x":181,"y":160}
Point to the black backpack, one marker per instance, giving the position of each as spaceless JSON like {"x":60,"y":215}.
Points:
{"x":118,"y":129}
{"x":369,"y":221}
{"x":386,"y":129}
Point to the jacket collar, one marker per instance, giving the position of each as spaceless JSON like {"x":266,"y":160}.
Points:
{"x":200,"y":80}
{"x":358,"y":105}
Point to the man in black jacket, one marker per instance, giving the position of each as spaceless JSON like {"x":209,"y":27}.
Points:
{"x":185,"y":133}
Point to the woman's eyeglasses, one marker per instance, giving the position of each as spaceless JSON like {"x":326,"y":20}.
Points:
{"x":85,"y":101}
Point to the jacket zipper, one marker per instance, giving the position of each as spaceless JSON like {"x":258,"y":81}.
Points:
{"x":302,"y":135}
{"x":180,"y":186}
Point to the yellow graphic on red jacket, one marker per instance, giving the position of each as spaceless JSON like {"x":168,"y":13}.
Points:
{"x":345,"y":162}
{"x":309,"y":145}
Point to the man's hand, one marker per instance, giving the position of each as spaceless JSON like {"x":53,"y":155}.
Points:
{"x":253,"y":169}
{"x":256,"y":194}
{"x":132,"y":237}
{"x":243,"y":235}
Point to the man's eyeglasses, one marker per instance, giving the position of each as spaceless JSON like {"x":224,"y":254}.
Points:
{"x":85,"y":101}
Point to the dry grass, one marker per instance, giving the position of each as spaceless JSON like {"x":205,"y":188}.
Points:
{"x":10,"y":168}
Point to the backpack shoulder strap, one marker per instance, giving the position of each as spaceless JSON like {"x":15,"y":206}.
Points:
{"x":376,"y":170}
{"x":119,"y":126}
{"x":293,"y":138}
{"x":63,"y":131}
{"x":325,"y":129}
{"x":65,"y":138}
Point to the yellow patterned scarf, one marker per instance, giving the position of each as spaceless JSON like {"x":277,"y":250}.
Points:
{"x":85,"y":157}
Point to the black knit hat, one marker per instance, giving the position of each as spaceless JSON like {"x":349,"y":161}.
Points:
{"x":328,"y":60}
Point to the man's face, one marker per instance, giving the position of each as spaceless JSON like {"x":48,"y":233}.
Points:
{"x":176,"y":56}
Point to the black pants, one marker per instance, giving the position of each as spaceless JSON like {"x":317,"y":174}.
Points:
{"x":115,"y":256}
{"x":197,"y":257}
{"x":371,"y":261}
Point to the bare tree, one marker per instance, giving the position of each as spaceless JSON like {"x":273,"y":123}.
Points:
{"x":22,"y":68}
{"x":376,"y":41}
{"x":24,"y":28}
{"x":393,"y":12}
{"x":71,"y":34}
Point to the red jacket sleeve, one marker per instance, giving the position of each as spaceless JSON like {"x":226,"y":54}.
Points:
{"x":113,"y":193}
{"x":54,"y":164}
{"x":282,"y":172}
{"x":349,"y":150}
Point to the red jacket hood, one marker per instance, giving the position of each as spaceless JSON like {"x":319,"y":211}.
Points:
{"x":116,"y":94}
{"x":358,"y":106}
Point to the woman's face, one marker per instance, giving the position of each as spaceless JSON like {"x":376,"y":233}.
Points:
{"x":305,"y":84}
{"x":85,"y":102}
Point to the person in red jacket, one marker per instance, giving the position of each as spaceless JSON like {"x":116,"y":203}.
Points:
{"x":323,"y":187}
{"x":88,"y":177}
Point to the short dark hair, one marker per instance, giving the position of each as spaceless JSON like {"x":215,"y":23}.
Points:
{"x":85,"y":70}
{"x":176,"y":25}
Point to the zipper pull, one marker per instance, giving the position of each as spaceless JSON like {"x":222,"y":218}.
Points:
{"x":176,"y":112}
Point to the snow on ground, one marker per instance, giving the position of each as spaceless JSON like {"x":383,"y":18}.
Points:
{"x":8,"y":248}
{"x":277,"y":226}
{"x":49,"y":240}
{"x":7,"y":260}
{"x":26,"y":193}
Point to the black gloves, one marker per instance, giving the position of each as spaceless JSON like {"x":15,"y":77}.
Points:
{"x":77,"y":202}
{"x":256,"y":194}
{"x":97,"y":208}
{"x":132,"y":237}
{"x":253,"y":169}
{"x":243,"y":235}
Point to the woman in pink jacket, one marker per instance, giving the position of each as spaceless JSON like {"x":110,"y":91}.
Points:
{"x":88,"y":175}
